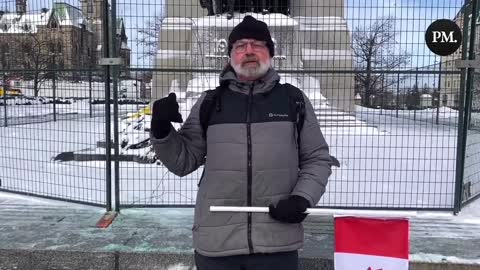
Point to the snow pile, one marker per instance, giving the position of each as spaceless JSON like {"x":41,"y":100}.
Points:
{"x":435,"y":258}
{"x":471,"y":210}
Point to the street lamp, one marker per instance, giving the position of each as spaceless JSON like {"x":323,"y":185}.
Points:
{"x":398,"y":94}
{"x":90,"y":67}
{"x":437,"y":118}
{"x":5,"y":88}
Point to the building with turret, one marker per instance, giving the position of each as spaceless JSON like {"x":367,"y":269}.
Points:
{"x":93,"y":10}
{"x":60,"y":37}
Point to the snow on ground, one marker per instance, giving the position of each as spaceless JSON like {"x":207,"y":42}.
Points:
{"x":471,"y":210}
{"x":389,"y":162}
{"x":445,"y":115}
{"x":404,"y":163}
{"x":435,"y":258}
{"x":26,"y":159}
{"x":409,"y":164}
{"x":21,"y":201}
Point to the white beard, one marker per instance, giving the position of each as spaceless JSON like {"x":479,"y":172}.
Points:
{"x":252,"y":72}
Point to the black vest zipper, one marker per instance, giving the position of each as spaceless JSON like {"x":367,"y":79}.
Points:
{"x":249,"y":167}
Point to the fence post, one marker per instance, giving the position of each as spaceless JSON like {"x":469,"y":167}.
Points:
{"x":437,"y":120}
{"x":90,"y":93}
{"x":115,"y":75}
{"x":108,"y":142}
{"x":54,"y":94}
{"x":398,"y":93}
{"x":463,"y":105}
{"x":418,"y":96}
{"x":5,"y":89}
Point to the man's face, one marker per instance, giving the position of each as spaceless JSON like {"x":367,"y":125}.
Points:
{"x":250,"y":59}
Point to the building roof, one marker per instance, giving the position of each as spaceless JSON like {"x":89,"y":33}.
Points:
{"x":62,"y":13}
{"x":124,"y":46}
{"x":461,"y":13}
{"x":120,"y":26}
{"x":13,"y":23}
{"x":69,"y":15}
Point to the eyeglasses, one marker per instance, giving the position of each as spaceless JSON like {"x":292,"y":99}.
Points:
{"x":257,"y":46}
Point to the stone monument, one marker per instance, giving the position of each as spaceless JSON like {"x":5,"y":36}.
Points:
{"x":314,"y":38}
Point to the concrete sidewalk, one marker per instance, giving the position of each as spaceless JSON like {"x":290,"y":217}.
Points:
{"x":39,"y":234}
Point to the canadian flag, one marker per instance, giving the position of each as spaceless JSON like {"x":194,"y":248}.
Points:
{"x":371,"y":244}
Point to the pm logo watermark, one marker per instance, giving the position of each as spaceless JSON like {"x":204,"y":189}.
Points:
{"x":443,"y":37}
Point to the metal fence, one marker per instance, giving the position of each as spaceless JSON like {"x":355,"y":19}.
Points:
{"x":391,"y":111}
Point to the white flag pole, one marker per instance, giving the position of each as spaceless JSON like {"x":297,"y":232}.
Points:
{"x":329,"y":212}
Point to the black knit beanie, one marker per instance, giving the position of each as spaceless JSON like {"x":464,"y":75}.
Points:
{"x":254,"y":29}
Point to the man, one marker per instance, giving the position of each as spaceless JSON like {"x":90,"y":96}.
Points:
{"x":252,"y":156}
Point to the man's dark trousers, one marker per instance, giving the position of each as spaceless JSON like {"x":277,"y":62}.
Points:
{"x":259,"y":261}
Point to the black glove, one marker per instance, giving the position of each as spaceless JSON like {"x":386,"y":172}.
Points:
{"x":290,"y":210}
{"x":164,"y":111}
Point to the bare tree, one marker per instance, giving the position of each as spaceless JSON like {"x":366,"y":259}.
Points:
{"x":149,"y":37}
{"x":375,"y":50}
{"x":33,"y":54}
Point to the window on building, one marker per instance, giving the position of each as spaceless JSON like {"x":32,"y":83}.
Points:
{"x":448,"y":84}
{"x":445,"y":100}
{"x":54,"y":24}
{"x":455,"y":100}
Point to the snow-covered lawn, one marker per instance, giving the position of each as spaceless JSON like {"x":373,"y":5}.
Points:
{"x":394,"y":162}
{"x":406,"y":164}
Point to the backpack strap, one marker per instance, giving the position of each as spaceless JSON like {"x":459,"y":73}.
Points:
{"x":296,"y":96}
{"x":210,"y":101}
